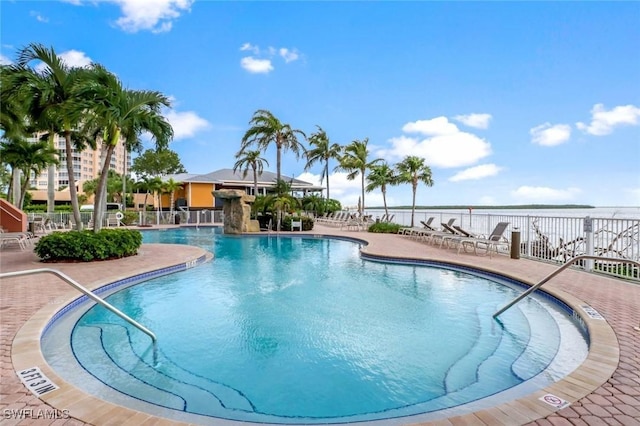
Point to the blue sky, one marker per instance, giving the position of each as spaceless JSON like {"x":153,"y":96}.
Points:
{"x":508,"y":102}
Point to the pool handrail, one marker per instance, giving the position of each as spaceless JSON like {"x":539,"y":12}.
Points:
{"x":557,"y":271}
{"x":90,"y":295}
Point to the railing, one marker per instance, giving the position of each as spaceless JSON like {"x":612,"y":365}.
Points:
{"x":556,"y":272}
{"x":553,"y":239}
{"x":93,"y":297}
{"x":62,"y":220}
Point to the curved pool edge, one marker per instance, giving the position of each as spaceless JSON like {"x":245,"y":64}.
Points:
{"x":601,"y":361}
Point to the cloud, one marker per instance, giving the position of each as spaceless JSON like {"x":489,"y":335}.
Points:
{"x":447,"y":146}
{"x":185,"y":124}
{"x":550,"y":135}
{"x":4,"y":60}
{"x":603,"y":121}
{"x":288,"y":55}
{"x":477,"y":172}
{"x":340,"y":188}
{"x":39,"y":17}
{"x":156,"y":16}
{"x":74,"y":2}
{"x":261,"y":60}
{"x":479,"y":121}
{"x":72,"y":58}
{"x":256,"y":66}
{"x":434,"y":127}
{"x":541,"y":194}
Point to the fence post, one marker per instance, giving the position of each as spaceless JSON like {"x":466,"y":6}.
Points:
{"x":588,"y":238}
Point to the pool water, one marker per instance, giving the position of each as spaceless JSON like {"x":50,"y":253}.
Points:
{"x":302,"y":330}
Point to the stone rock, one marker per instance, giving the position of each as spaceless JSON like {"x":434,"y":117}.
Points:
{"x":236,"y":207}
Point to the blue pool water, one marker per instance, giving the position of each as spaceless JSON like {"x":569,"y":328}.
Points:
{"x":302,"y":330}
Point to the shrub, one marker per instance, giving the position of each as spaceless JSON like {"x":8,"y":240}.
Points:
{"x":87,"y":246}
{"x":385,"y":228}
{"x":307,"y":222}
{"x":130,"y":218}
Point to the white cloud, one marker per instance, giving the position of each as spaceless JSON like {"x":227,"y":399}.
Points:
{"x":4,"y":60}
{"x":541,"y":194}
{"x":39,"y":17}
{"x":340,"y":188}
{"x":256,"y":66}
{"x":289,"y":55}
{"x":72,"y":58}
{"x":603,"y":121}
{"x":74,"y":2}
{"x":477,"y":172}
{"x":479,"y":121}
{"x":251,"y":48}
{"x":156,"y":16}
{"x":434,"y":127}
{"x":451,"y":150}
{"x":185,"y":124}
{"x":550,"y":135}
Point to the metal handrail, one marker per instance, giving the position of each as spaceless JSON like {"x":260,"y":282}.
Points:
{"x":557,"y":271}
{"x":92,"y":296}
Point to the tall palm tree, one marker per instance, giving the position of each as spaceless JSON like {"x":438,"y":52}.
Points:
{"x":381,"y":175}
{"x":265,"y":130}
{"x":322,"y":151}
{"x":122,"y":115}
{"x":413,"y":170}
{"x":54,"y":105}
{"x":170,"y":187}
{"x":250,"y":160}
{"x":355,"y":161}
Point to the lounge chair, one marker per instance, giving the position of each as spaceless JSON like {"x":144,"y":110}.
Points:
{"x":427,"y":224}
{"x":430,"y":236}
{"x":493,"y":241}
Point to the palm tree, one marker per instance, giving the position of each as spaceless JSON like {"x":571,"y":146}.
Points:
{"x":170,"y":187}
{"x":250,"y":159}
{"x":354,"y":161}
{"x":54,"y":105}
{"x":323,"y":151}
{"x":122,"y":115}
{"x":267,"y":129}
{"x":29,"y":158}
{"x":381,"y":175}
{"x":413,"y":170}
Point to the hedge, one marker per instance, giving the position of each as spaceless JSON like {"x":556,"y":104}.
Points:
{"x":87,"y":246}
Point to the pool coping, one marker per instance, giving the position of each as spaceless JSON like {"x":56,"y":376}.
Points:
{"x":598,"y":367}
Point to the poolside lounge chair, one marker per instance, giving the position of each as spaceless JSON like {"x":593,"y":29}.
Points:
{"x":427,"y":224}
{"x":493,"y":241}
{"x":21,"y":238}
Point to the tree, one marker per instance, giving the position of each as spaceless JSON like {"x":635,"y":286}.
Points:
{"x":322,"y":151}
{"x":354,"y":161}
{"x":28,"y":158}
{"x":265,"y":130}
{"x":170,"y":187}
{"x":413,"y":170}
{"x":55,"y":105}
{"x":250,"y":159}
{"x":381,"y":175}
{"x":122,"y":115}
{"x":157,"y":162}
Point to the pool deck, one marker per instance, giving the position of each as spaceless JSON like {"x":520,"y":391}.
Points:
{"x":604,"y":390}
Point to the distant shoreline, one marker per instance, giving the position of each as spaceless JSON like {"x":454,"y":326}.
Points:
{"x":484,"y":207}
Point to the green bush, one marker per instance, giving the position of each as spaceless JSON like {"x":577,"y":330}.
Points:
{"x":307,"y":222}
{"x":385,"y":228}
{"x":87,"y":246}
{"x":130,"y":218}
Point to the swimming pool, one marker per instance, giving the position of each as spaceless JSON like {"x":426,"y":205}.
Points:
{"x":302,"y":330}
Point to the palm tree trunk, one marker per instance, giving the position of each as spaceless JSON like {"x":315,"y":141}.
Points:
{"x":384,"y":200}
{"x":51,"y":175}
{"x":14,"y":188}
{"x":362,"y":207}
{"x":326,"y":172}
{"x":413,"y":205}
{"x":23,"y":192}
{"x":101,"y":191}
{"x":73,"y":193}
{"x":255,"y":182}
{"x":278,"y":161}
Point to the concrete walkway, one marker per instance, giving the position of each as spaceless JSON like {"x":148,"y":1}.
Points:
{"x":606,"y":390}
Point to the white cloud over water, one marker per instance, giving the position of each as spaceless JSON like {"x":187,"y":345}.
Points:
{"x":550,"y":135}
{"x":603,"y":122}
{"x":541,"y":194}
{"x":477,"y":172}
{"x":445,"y":145}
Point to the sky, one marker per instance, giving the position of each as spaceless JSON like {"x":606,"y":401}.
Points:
{"x":508,"y":102}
